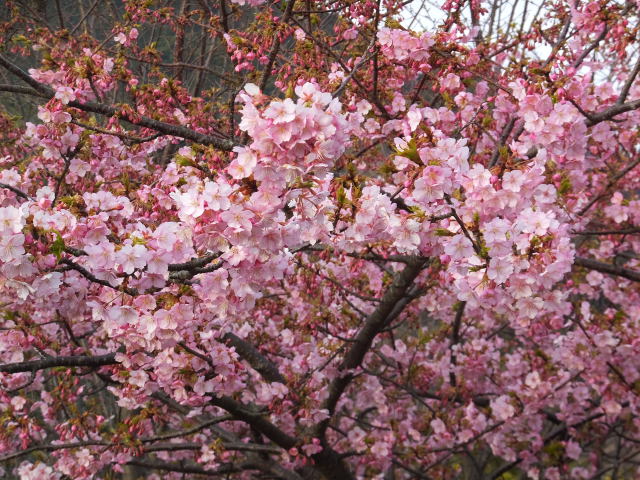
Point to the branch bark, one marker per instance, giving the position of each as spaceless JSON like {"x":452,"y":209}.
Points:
{"x":608,"y":268}
{"x":373,"y":325}
{"x":259,"y":362}
{"x":52,"y":362}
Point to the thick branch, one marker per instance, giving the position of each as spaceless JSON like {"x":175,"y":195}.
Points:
{"x":159,"y":447}
{"x":240,"y":446}
{"x":624,"y":231}
{"x":193,"y":264}
{"x":259,"y":362}
{"x":609,"y":113}
{"x":183,"y":467}
{"x":373,"y":325}
{"x":455,"y":338}
{"x":608,"y":268}
{"x":51,"y":362}
{"x":256,"y":420}
{"x":328,"y":461}
{"x":20,"y":89}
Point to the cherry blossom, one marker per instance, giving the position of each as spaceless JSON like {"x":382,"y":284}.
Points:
{"x":319,"y":240}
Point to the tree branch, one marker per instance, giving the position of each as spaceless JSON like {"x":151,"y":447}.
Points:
{"x":20,"y":89}
{"x":180,"y":131}
{"x":91,"y":277}
{"x":52,"y":362}
{"x":609,"y":113}
{"x":256,"y":420}
{"x":373,"y":325}
{"x":15,"y":190}
{"x":258,"y":362}
{"x":182,"y":467}
{"x":275,"y":48}
{"x":608,"y":268}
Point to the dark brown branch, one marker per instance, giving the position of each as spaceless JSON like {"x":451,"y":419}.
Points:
{"x":626,"y":231}
{"x":591,"y":47}
{"x":503,"y":140}
{"x":371,"y":256}
{"x":52,"y":362}
{"x":224,"y":16}
{"x":258,"y":362}
{"x":373,"y":325}
{"x":627,"y":86}
{"x":182,"y":467}
{"x":193,"y":264}
{"x":50,"y":448}
{"x":455,"y":338}
{"x":196,"y":265}
{"x":239,"y":446}
{"x":41,"y":89}
{"x":608,"y":268}
{"x":275,"y":48}
{"x":189,"y":431}
{"x":15,"y":190}
{"x":128,"y":138}
{"x":20,"y":89}
{"x":611,"y":112}
{"x":160,"y":447}
{"x":256,"y":420}
{"x":91,"y":277}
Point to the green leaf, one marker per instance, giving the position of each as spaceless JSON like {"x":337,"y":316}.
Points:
{"x":443,"y":232}
{"x":57,"y":247}
{"x":565,"y":186}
